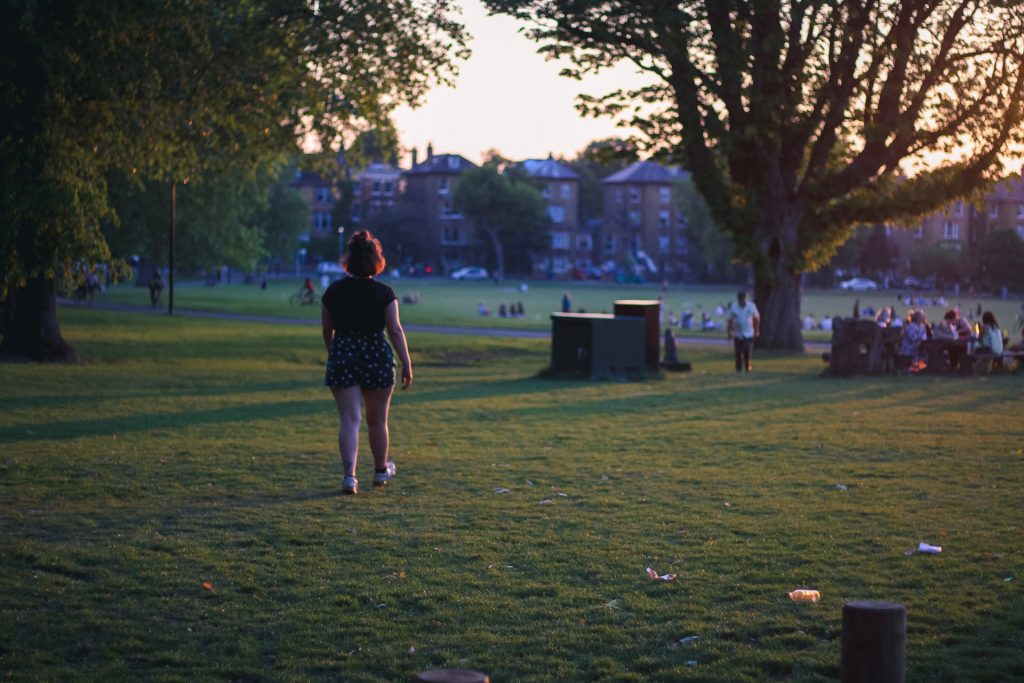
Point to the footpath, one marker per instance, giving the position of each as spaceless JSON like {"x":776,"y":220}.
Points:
{"x":811,"y":347}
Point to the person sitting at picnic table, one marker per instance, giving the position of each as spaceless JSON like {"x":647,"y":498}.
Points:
{"x":945,"y":329}
{"x":991,"y":338}
{"x":883,"y":318}
{"x":914,"y":332}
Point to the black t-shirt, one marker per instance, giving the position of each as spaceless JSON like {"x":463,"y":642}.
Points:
{"x":357,"y":304}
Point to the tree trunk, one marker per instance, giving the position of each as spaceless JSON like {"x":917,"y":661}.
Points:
{"x":499,"y":254}
{"x":779,"y":306}
{"x":31,"y":330}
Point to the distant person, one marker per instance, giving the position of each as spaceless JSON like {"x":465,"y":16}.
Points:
{"x":360,"y":364}
{"x":914,"y":332}
{"x":809,"y":322}
{"x":945,"y":329}
{"x":156,"y":288}
{"x":520,"y":311}
{"x":990,"y":342}
{"x":482,"y":310}
{"x":744,"y":327}
{"x":263,"y":283}
{"x":502,"y":311}
{"x":566,"y":303}
{"x":307,"y":294}
{"x":856,"y":308}
{"x":826,"y":324}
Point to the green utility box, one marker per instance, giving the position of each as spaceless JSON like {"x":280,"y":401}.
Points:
{"x":598,"y":346}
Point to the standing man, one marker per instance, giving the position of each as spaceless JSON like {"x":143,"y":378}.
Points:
{"x":744,"y":327}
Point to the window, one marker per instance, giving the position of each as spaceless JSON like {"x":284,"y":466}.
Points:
{"x":559,"y":240}
{"x":918,"y":232}
{"x":557,"y":214}
{"x":1020,"y":211}
{"x":951,"y":230}
{"x":682,"y":245}
{"x":376,"y":187}
{"x":634,"y":218}
{"x":663,"y":218}
{"x":584,"y":242}
{"x":1020,"y":231}
{"x":453,"y":163}
{"x":680,"y":220}
{"x":634,"y":193}
{"x":665,"y":194}
{"x":323,"y":195}
{"x":451,"y":234}
{"x":993,"y":211}
{"x":322,"y":221}
{"x":636,"y":244}
{"x":958,"y":209}
{"x":609,"y":244}
{"x":446,"y":208}
{"x":387,"y":187}
{"x":566,"y":191}
{"x":546,"y":192}
{"x":663,"y":244}
{"x":442,"y":187}
{"x":560,"y":264}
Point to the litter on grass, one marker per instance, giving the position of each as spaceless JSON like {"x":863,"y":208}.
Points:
{"x":547,"y":501}
{"x":685,"y":641}
{"x":614,"y":604}
{"x":841,"y":487}
{"x":804,"y":595}
{"x":207,"y":586}
{"x":924,"y":549}
{"x":654,"y":576}
{"x":502,"y":490}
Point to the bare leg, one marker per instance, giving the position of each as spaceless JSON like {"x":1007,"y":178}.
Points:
{"x":377,"y":402}
{"x":347,"y":400}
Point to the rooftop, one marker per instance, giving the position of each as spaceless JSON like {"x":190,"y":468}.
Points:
{"x":448,"y":164}
{"x":645,"y":172}
{"x":549,"y":169}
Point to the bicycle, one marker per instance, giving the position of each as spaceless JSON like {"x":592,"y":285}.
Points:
{"x":304,"y":298}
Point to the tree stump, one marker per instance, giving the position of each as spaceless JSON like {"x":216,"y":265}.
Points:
{"x":861,"y":347}
{"x":452,"y":676}
{"x":874,"y":642}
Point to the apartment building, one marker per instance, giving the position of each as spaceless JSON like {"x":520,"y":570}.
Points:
{"x":430,"y":187}
{"x":641,"y":222}
{"x":376,"y":188}
{"x":569,"y":247}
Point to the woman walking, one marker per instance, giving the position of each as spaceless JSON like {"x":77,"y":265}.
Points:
{"x":360,"y":364}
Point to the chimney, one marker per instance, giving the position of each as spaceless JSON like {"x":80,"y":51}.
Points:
{"x":415,"y":157}
{"x":430,"y":151}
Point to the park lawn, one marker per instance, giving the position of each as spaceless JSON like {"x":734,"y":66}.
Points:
{"x":444,"y":302}
{"x":183,"y":451}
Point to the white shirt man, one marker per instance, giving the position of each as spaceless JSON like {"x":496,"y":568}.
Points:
{"x":744,"y":326}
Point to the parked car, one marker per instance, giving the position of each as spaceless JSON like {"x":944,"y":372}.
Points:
{"x":470,"y":273}
{"x":859,"y":284}
{"x":914,"y":283}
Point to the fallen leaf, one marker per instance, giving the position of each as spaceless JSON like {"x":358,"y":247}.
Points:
{"x":207,"y":586}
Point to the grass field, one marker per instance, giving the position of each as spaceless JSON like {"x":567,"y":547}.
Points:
{"x":443,"y":302}
{"x":188,"y":451}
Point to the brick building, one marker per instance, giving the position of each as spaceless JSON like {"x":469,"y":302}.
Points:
{"x":376,"y":188}
{"x":430,"y":187}
{"x":641,"y":222}
{"x":569,"y":247}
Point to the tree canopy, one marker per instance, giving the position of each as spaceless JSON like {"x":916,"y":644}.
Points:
{"x":506,"y":207}
{"x":802,"y":119}
{"x":167,"y":91}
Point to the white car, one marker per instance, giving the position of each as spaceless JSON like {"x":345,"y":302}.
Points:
{"x":329,"y":268}
{"x":470,"y":273}
{"x":859,"y":284}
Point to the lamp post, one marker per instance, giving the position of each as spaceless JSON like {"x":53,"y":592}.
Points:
{"x":341,"y":243}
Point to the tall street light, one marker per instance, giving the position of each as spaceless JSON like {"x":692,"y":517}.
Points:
{"x":170,"y":250}
{"x":341,"y":243}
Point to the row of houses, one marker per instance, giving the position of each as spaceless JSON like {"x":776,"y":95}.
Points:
{"x":641,"y":225}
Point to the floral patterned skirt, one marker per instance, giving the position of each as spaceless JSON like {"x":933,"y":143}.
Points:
{"x":363,"y":358}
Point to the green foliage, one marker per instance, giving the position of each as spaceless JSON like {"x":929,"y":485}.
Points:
{"x":510,"y":210}
{"x":944,"y":262}
{"x":126,"y":487}
{"x":194,"y":90}
{"x":999,"y":260}
{"x":710,"y":247}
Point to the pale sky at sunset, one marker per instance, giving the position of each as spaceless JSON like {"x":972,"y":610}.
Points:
{"x":507,"y":98}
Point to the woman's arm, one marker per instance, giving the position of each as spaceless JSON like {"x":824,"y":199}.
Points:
{"x":397,"y":335}
{"x":328,"y":327}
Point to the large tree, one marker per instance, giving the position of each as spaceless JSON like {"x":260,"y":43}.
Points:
{"x":802,"y":119}
{"x":507,"y":208}
{"x":168,"y":91}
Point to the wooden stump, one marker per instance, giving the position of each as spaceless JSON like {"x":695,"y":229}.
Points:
{"x":861,"y":347}
{"x":452,"y":676}
{"x":874,"y":642}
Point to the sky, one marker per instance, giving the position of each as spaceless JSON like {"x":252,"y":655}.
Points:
{"x":507,"y":97}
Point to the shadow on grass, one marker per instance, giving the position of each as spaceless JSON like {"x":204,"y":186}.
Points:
{"x":146,"y":421}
